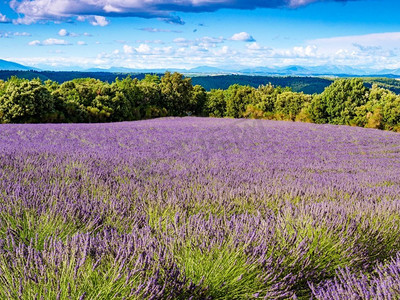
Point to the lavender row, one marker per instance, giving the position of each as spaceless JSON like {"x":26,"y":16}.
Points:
{"x":202,"y":208}
{"x":383,"y":284}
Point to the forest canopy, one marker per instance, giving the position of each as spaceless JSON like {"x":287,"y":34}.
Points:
{"x":344,"y":102}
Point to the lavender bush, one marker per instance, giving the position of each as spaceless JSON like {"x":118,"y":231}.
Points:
{"x":196,"y":208}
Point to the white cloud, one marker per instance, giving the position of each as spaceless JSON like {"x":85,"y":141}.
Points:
{"x":206,"y":42}
{"x":22,"y":34}
{"x":308,"y":51}
{"x":181,"y":41}
{"x":99,"y":21}
{"x":63,"y":32}
{"x":255,"y":47}
{"x":11,"y":34}
{"x":50,"y":10}
{"x":243,"y":37}
{"x":49,"y":42}
{"x":381,"y":40}
{"x":143,"y":48}
{"x":81,"y":43}
{"x":357,"y":51}
{"x":128,"y":49}
{"x":298,"y":3}
{"x":4,"y":19}
{"x":34,"y":43}
{"x":222,"y":51}
{"x":160,"y":42}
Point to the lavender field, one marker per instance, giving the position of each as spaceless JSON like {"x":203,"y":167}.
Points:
{"x":197,"y":208}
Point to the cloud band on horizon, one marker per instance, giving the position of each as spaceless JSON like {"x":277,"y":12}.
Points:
{"x":56,"y":10}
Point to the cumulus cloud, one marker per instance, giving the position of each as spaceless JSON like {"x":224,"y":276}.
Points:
{"x":35,"y":10}
{"x":143,"y":48}
{"x":63,"y":32}
{"x":128,"y":49}
{"x":49,"y":42}
{"x":99,"y":21}
{"x":81,"y":43}
{"x":242,"y":36}
{"x":4,"y":19}
{"x":308,"y":51}
{"x":35,"y":43}
{"x":256,"y":47}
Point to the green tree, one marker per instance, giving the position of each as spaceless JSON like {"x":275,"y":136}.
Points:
{"x":317,"y":110}
{"x":339,"y":101}
{"x":176,"y":93}
{"x":289,"y":104}
{"x":198,"y":100}
{"x":391,"y":112}
{"x":68,"y":104}
{"x":264,"y":97}
{"x":24,"y":101}
{"x":150,"y":95}
{"x":237,"y":98}
{"x":215,"y":105}
{"x":370,"y":114}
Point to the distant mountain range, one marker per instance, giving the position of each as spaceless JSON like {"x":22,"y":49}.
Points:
{"x":12,"y":66}
{"x":326,"y":70}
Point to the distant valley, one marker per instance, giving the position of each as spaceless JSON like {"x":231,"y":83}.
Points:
{"x":295,"y":70}
{"x":299,"y":79}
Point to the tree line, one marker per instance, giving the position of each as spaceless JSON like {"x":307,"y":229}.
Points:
{"x":344,"y":102}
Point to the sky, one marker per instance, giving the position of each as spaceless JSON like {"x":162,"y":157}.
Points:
{"x":229,"y":34}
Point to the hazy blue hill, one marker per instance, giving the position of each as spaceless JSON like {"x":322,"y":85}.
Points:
{"x":209,"y":70}
{"x":9,"y":65}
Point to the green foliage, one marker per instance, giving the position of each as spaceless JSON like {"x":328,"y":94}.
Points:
{"x":390,"y":84}
{"x":198,"y":100}
{"x":254,"y":112}
{"x":223,"y":270}
{"x":264,"y":97}
{"x":345,"y":101}
{"x":237,"y":98}
{"x":68,"y":103}
{"x":24,"y":101}
{"x":317,"y":110}
{"x":150,"y":91}
{"x":289,"y":104}
{"x":130,"y":95}
{"x":215,"y":105}
{"x":307,"y":85}
{"x":391,"y":112}
{"x":339,"y":101}
{"x":176,"y":93}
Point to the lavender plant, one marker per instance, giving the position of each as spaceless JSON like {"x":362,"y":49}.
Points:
{"x":196,"y":208}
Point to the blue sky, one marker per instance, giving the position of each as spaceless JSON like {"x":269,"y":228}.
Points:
{"x":64,"y":34}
